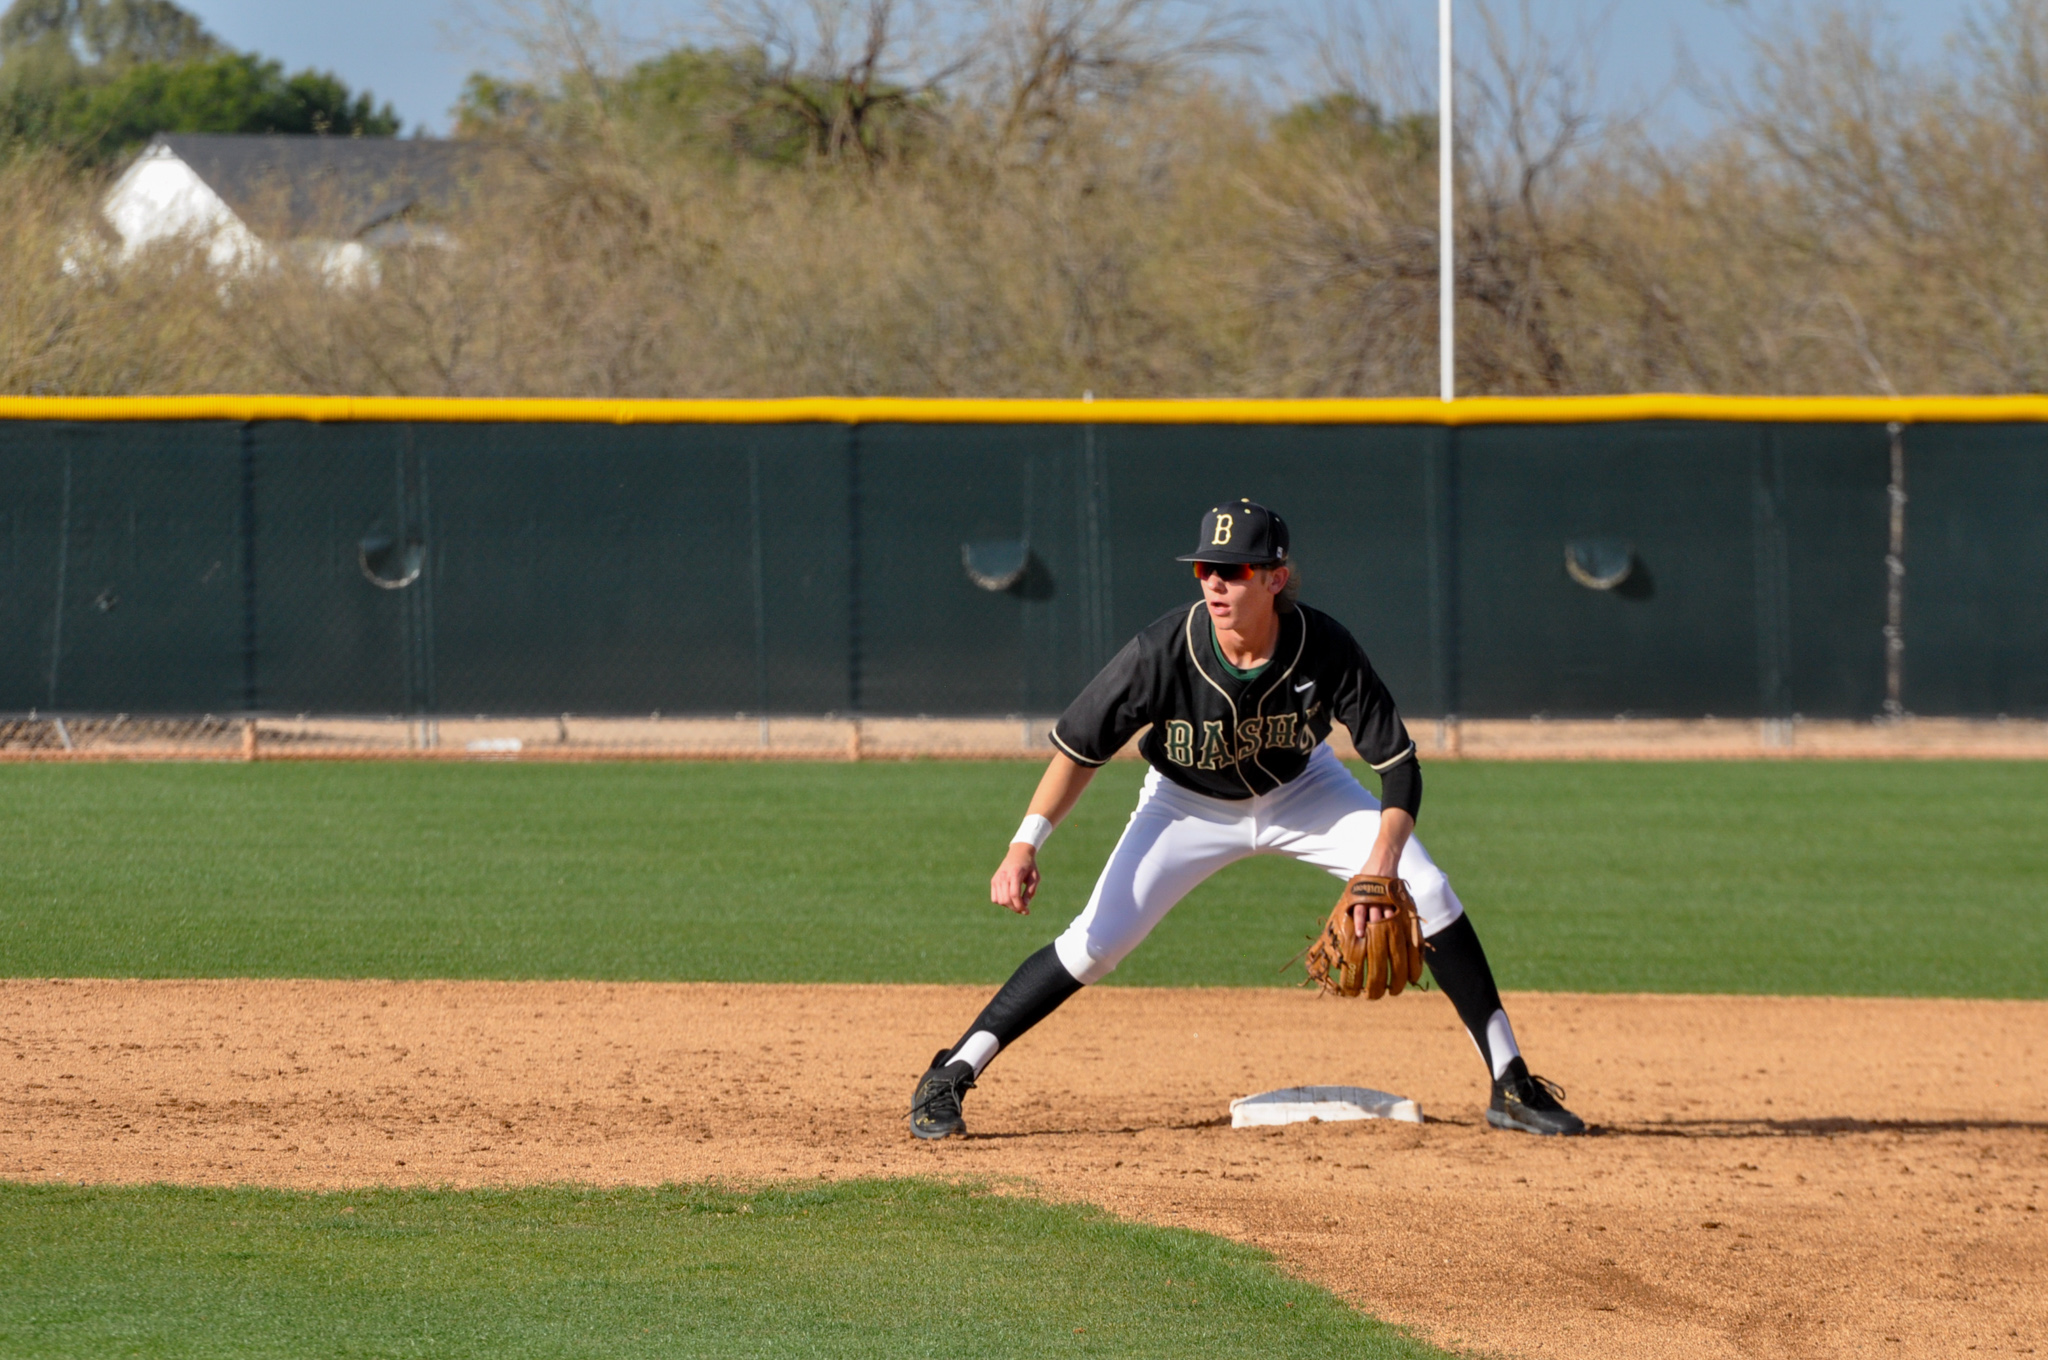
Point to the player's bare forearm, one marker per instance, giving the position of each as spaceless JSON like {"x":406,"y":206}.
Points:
{"x":1059,"y":788}
{"x":1396,"y":826}
{"x":1016,"y":880}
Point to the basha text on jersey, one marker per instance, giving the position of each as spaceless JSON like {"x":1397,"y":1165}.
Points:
{"x":1225,"y":734}
{"x":1281,"y":731}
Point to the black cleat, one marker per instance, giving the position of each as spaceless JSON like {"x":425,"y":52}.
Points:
{"x":1528,"y":1104}
{"x":935,"y":1105}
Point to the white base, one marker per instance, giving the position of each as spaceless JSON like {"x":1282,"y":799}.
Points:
{"x":1299,"y":1104}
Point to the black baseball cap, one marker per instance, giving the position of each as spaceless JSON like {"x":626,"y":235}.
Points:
{"x":1240,"y":531}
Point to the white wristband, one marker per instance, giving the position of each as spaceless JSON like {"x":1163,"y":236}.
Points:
{"x":1033,"y":832}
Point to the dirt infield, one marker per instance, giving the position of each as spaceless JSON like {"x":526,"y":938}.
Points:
{"x":1777,"y":1177}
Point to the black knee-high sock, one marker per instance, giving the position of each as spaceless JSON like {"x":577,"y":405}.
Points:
{"x":1459,"y":966}
{"x":1033,"y":992}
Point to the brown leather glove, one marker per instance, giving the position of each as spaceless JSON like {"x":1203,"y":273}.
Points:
{"x":1386,"y":958}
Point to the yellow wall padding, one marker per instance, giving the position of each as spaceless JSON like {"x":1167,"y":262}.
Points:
{"x":870,"y":410}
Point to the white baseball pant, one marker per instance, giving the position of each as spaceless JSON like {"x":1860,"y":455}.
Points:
{"x":1177,"y":838}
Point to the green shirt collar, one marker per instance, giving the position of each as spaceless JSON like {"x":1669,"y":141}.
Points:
{"x":1231,"y":670}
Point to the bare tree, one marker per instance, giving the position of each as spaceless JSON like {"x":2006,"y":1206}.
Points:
{"x":1365,"y":51}
{"x":1526,"y":116}
{"x":1039,"y":61}
{"x":571,"y":49}
{"x":852,"y":73}
{"x":1083,"y":207}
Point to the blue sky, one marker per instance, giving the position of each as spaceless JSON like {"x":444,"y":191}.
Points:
{"x":416,"y":52}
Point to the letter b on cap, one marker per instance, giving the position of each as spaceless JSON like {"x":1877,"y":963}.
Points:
{"x":1222,"y":534}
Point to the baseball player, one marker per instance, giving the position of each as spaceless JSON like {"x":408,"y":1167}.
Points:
{"x":1238,"y":692}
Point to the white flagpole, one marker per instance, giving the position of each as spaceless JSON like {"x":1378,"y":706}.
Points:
{"x":1446,"y":270}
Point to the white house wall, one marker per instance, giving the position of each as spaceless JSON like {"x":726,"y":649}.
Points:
{"x":159,"y":198}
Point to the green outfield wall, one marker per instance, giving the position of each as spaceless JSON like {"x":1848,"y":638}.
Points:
{"x":1668,"y":557}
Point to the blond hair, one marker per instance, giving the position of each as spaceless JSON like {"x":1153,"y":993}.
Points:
{"x":1290,"y":594}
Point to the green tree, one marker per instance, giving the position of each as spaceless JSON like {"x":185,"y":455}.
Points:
{"x":237,"y":92}
{"x":723,"y":104}
{"x":718,"y":102}
{"x":108,"y":31}
{"x":1359,"y":126}
{"x":121,"y":31}
{"x":35,"y":77}
{"x":95,"y":78}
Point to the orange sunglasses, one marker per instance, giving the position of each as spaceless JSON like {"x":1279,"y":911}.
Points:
{"x":1228,"y":571}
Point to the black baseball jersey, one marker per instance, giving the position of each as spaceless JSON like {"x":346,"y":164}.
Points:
{"x":1230,"y":738}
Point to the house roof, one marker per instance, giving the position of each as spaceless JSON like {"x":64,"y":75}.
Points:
{"x":338,"y":187}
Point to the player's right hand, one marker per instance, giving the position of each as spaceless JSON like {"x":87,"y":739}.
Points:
{"x":1017,"y":879}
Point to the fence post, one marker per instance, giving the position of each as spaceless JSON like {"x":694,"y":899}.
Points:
{"x":249,"y":694}
{"x":430,"y":548}
{"x":1101,"y":642}
{"x":416,"y":600}
{"x":853,"y":586}
{"x":1440,"y":491}
{"x":760,"y":586}
{"x":1895,"y":582}
{"x":1773,"y":607}
{"x":63,"y":570}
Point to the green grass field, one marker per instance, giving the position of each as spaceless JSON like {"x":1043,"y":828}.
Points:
{"x":880,"y":1268}
{"x":1851,"y":878}
{"x":1918,"y":879}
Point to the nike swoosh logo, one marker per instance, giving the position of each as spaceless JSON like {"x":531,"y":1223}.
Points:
{"x":1304,"y":686}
